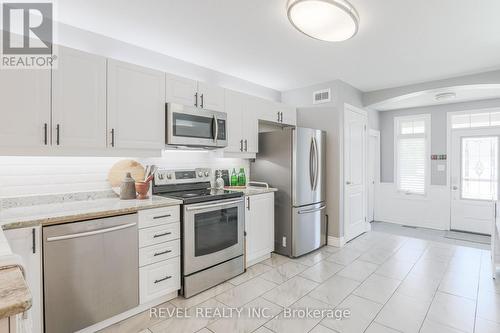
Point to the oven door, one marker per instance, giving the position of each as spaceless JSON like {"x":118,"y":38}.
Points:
{"x":213,"y":233}
{"x":188,"y":126}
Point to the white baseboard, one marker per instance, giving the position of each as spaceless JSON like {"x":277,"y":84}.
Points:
{"x":336,"y":241}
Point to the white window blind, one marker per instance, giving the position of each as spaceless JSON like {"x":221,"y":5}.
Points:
{"x":411,"y":150}
{"x":475,"y":120}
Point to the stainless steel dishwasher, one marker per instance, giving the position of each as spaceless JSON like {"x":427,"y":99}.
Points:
{"x":91,"y":271}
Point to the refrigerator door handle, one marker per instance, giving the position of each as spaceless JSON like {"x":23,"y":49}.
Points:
{"x":316,"y":164}
{"x":311,"y":161}
{"x":307,"y":211}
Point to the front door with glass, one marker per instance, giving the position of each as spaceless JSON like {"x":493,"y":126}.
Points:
{"x":474,"y":179}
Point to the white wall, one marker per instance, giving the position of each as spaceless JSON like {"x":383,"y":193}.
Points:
{"x":432,"y":211}
{"x":21,"y":176}
{"x":102,"y":45}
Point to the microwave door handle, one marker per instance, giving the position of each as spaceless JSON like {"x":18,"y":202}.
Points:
{"x":216,"y":128}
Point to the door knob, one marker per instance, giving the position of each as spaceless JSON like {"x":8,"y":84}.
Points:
{"x":454,"y":187}
{"x":348,"y":182}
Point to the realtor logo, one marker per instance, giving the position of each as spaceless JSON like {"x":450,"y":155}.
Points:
{"x":27,"y":35}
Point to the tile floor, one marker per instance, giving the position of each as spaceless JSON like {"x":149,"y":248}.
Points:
{"x":390,"y":283}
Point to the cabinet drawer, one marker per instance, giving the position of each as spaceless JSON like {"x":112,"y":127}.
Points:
{"x":157,"y":216}
{"x":156,"y":253}
{"x":159,"y":279}
{"x":159,"y":234}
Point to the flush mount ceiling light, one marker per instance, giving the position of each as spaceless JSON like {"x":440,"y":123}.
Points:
{"x":327,"y":20}
{"x":445,"y":96}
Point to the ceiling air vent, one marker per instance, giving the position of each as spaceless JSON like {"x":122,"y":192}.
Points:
{"x":322,"y":96}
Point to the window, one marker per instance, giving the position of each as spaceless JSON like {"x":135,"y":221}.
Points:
{"x":475,"y":120}
{"x":479,"y":168}
{"x":411,"y":147}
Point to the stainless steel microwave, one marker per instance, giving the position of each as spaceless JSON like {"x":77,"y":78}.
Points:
{"x":194,"y":127}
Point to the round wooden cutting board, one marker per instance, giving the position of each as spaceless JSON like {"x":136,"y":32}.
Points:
{"x":119,"y":170}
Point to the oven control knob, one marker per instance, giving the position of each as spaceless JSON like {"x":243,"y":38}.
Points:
{"x":169,"y":176}
{"x":207,"y":173}
{"x":200,"y":174}
{"x":160,"y":176}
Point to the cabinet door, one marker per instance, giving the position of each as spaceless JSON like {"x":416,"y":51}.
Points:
{"x":26,"y":242}
{"x":267,"y":110}
{"x":259,"y":221}
{"x":211,"y":97}
{"x":235,"y":105}
{"x":136,"y":106}
{"x":250,"y":126}
{"x":25,"y":98}
{"x":289,"y":114}
{"x":79,"y":100}
{"x":181,"y":90}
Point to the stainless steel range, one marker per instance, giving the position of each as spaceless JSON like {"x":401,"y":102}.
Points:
{"x":213,"y":223}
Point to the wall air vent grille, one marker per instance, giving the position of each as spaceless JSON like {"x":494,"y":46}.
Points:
{"x":322,"y":96}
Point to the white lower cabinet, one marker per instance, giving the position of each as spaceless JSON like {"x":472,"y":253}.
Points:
{"x":259,"y":227}
{"x":159,"y":253}
{"x":27,"y":243}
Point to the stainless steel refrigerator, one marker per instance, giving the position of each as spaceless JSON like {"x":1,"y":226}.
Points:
{"x":293,"y":160}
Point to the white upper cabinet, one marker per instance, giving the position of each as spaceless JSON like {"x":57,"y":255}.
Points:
{"x":181,"y":90}
{"x":288,"y":114}
{"x":136,"y":106}
{"x":211,"y":97}
{"x":193,"y":93}
{"x":235,"y":107}
{"x":242,"y":124}
{"x":25,"y":105}
{"x":79,"y":100}
{"x":277,"y":113}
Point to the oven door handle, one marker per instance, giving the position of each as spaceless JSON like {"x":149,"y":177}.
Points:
{"x":213,"y":205}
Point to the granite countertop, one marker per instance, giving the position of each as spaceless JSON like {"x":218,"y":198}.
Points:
{"x":73,"y":211}
{"x":15,"y":296}
{"x":248,"y":191}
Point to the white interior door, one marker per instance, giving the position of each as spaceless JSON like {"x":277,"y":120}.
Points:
{"x":355,"y":162}
{"x":373,"y":171}
{"x":474,"y":179}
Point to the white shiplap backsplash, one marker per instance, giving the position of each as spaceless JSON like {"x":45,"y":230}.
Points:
{"x":22,"y":176}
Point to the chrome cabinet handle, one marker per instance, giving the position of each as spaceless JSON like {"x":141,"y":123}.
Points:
{"x":278,"y":116}
{"x":112,"y":137}
{"x":281,"y":117}
{"x":161,"y":235}
{"x":161,"y":280}
{"x":162,"y":253}
{"x":161,"y":216}
{"x":202,"y":101}
{"x":241,"y":145}
{"x":90,"y":233}
{"x":248,"y":203}
{"x":196,"y":99}
{"x":45,"y":134}
{"x":58,"y":129}
{"x":246,"y":145}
